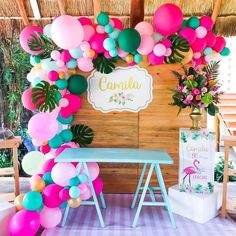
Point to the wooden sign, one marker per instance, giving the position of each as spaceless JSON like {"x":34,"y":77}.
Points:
{"x":125,"y":89}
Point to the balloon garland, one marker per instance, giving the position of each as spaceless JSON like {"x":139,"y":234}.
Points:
{"x":59,"y":52}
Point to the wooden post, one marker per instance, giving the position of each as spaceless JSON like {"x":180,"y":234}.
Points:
{"x":16,"y":171}
{"x":61,"y":5}
{"x":23,"y":11}
{"x":216,"y":10}
{"x":217,"y":130}
{"x":96,"y":9}
{"x":136,"y":12}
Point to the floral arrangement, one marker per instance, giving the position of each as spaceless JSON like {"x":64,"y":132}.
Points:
{"x":198,"y":88}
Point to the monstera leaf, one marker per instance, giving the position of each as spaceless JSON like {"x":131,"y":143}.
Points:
{"x":45,"y":96}
{"x":179,"y":44}
{"x":82,"y":134}
{"x":103,"y":64}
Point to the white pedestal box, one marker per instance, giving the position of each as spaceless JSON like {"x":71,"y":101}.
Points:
{"x":7,"y":210}
{"x":195,"y":206}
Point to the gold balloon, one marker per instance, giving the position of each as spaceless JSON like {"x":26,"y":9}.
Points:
{"x":74,"y":202}
{"x":144,"y":63}
{"x":187,"y":56}
{"x":38,"y":184}
{"x":129,"y":58}
{"x":18,"y":202}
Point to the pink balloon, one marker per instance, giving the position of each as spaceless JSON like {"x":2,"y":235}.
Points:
{"x":62,"y":173}
{"x":61,"y":149}
{"x":85,"y":64}
{"x":55,"y":55}
{"x":42,"y":126}
{"x":89,"y":31}
{"x":96,"y":42}
{"x":27,"y":100}
{"x":167,"y":19}
{"x":50,"y":217}
{"x":201,"y":32}
{"x":93,"y":170}
{"x":154,"y":60}
{"x":51,"y":196}
{"x":207,"y":22}
{"x":67,"y":32}
{"x":37,"y":143}
{"x":199,"y":45}
{"x":74,"y":105}
{"x":189,"y":34}
{"x":86,"y":195}
{"x":122,"y":53}
{"x":197,"y":61}
{"x":83,"y":188}
{"x":64,"y":194}
{"x":25,"y":223}
{"x":117,"y":23}
{"x":26,"y":35}
{"x":167,"y":43}
{"x":144,"y":28}
{"x":98,"y":185}
{"x":107,"y":55}
{"x":85,"y":21}
{"x":45,"y":149}
{"x":159,"y":49}
{"x":219,"y":44}
{"x":168,"y":52}
{"x":65,"y":56}
{"x":48,"y":165}
{"x":210,"y":39}
{"x":146,"y":45}
{"x":53,"y":75}
{"x":197,"y":55}
{"x":100,"y":29}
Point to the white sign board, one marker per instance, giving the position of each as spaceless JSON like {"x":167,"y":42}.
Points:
{"x":196,"y":160}
{"x":125,"y":89}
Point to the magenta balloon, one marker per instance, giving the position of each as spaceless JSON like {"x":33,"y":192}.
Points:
{"x":51,"y":195}
{"x":167,"y":19}
{"x":98,"y":185}
{"x":67,"y":32}
{"x":89,"y":31}
{"x":50,"y":217}
{"x":42,"y":126}
{"x":25,"y":223}
{"x":85,"y":21}
{"x":199,"y":45}
{"x":61,"y":149}
{"x":96,"y":42}
{"x":167,"y":43}
{"x":207,"y":22}
{"x":210,"y":39}
{"x":219,"y":44}
{"x":154,"y":60}
{"x":189,"y":34}
{"x":27,"y":100}
{"x":48,"y":165}
{"x":26,"y":35}
{"x":146,"y":45}
{"x":117,"y":23}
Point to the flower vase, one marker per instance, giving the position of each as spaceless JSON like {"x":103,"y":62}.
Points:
{"x":196,"y":117}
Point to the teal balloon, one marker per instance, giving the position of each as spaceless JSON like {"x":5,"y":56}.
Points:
{"x":63,"y":205}
{"x":55,"y":142}
{"x":108,"y":28}
{"x":76,"y":52}
{"x":103,"y":19}
{"x":208,"y":51}
{"x":47,"y":177}
{"x":74,"y":181}
{"x":114,"y":34}
{"x":83,"y":178}
{"x":77,"y":84}
{"x":184,"y":24}
{"x":58,"y":96}
{"x":61,"y":84}
{"x":71,"y":64}
{"x":34,"y":60}
{"x":36,"y":80}
{"x":65,"y":121}
{"x":225,"y":52}
{"x":74,"y":192}
{"x":66,"y":135}
{"x":109,"y":44}
{"x":113,"y":52}
{"x":137,"y":58}
{"x":129,"y":40}
{"x":193,"y":22}
{"x":67,"y":187}
{"x":32,"y":201}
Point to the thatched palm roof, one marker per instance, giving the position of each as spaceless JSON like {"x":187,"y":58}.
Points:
{"x":10,"y":15}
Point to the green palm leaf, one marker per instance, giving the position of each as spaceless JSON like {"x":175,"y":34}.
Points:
{"x":82,"y":134}
{"x":104,"y":65}
{"x":212,"y":69}
{"x":45,"y":96}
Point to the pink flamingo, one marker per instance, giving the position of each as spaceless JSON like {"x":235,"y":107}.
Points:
{"x":190,"y":170}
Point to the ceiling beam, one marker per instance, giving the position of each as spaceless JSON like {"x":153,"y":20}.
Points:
{"x":61,"y":5}
{"x":136,"y":12}
{"x":23,"y":13}
{"x":96,"y":9}
{"x":216,"y":10}
{"x":35,"y":9}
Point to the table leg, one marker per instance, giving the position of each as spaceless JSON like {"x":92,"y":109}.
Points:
{"x":139,"y":185}
{"x":143,"y":195}
{"x":164,"y":193}
{"x":152,"y":195}
{"x":103,"y":201}
{"x":94,"y":195}
{"x":63,"y":222}
{"x":16,"y":171}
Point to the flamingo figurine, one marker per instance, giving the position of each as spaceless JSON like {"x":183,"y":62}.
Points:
{"x":190,"y":170}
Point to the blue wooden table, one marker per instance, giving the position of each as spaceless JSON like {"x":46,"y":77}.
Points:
{"x":123,"y":155}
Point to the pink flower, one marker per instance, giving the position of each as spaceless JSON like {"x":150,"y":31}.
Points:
{"x":179,"y":88}
{"x":204,"y":90}
{"x":212,"y":93}
{"x":189,"y":97}
{"x":184,"y":90}
{"x":195,"y":91}
{"x":215,"y":88}
{"x":183,"y":77}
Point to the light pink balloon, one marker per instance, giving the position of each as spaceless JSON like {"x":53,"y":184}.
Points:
{"x":50,"y":217}
{"x":196,"y":55}
{"x":122,"y":53}
{"x":62,"y":173}
{"x":83,"y":188}
{"x":67,"y":32}
{"x":85,"y":64}
{"x":26,"y":99}
{"x":100,"y":29}
{"x":89,"y":31}
{"x":55,"y":55}
{"x":26,"y":35}
{"x":168,"y":52}
{"x":146,"y":45}
{"x":93,"y":170}
{"x":37,"y":143}
{"x":86,"y":195}
{"x":144,"y":28}
{"x":159,"y":49}
{"x":201,"y":32}
{"x":42,"y":126}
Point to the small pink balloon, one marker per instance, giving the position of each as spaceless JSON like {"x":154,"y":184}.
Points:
{"x":85,"y":21}
{"x":122,"y":53}
{"x":96,"y":42}
{"x":219,"y":44}
{"x":74,"y":102}
{"x":93,"y":168}
{"x":155,"y":60}
{"x":117,"y":23}
{"x":144,"y":28}
{"x":61,"y":149}
{"x":85,"y":64}
{"x":208,"y":58}
{"x":98,"y":185}
{"x":89,"y":31}
{"x":100,"y":29}
{"x":107,"y":55}
{"x":197,"y":61}
{"x":189,"y":34}
{"x":85,"y":46}
{"x":64,"y":194}
{"x":210,"y":39}
{"x":45,"y":149}
{"x":26,"y":99}
{"x":207,"y":22}
{"x":198,"y":45}
{"x":51,"y":195}
{"x":53,"y":75}
{"x":167,"y":43}
{"x":112,"y":23}
{"x":85,"y":196}
{"x":65,"y":56}
{"x":83,"y":188}
{"x":168,"y":52}
{"x":73,"y":145}
{"x":50,"y":217}
{"x":26,"y":35}
{"x":60,"y":63}
{"x":201,"y":32}
{"x":63,"y":102}
{"x":196,"y":55}
{"x":159,"y":49}
{"x":146,"y":45}
{"x":55,"y":55}
{"x":34,"y":177}
{"x":48,"y":165}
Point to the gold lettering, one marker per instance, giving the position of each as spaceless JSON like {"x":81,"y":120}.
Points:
{"x":102,"y":80}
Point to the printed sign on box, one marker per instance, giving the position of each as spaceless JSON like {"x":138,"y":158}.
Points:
{"x":196,"y":160}
{"x":125,"y":89}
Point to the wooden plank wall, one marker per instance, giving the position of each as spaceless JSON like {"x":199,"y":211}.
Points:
{"x":156,"y":127}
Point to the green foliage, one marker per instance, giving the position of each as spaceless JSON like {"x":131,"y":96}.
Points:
{"x":103,"y":64}
{"x":82,"y":134}
{"x":5,"y":161}
{"x":179,"y":44}
{"x":212,"y":69}
{"x":210,"y":187}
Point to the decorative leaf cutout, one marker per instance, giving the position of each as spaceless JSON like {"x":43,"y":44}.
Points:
{"x":82,"y":134}
{"x":45,"y":96}
{"x":179,"y":44}
{"x":212,"y":69}
{"x":103,"y":64}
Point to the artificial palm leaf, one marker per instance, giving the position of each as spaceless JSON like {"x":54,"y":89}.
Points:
{"x":82,"y":134}
{"x":45,"y":96}
{"x":179,"y":44}
{"x":212,"y":70}
{"x":103,"y":64}
{"x":40,"y":42}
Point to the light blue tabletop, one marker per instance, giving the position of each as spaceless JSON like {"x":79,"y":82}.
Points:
{"x":115,"y":155}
